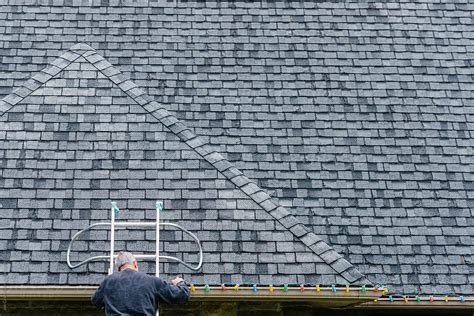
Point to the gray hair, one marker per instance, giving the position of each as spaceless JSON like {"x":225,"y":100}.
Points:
{"x":123,"y":257}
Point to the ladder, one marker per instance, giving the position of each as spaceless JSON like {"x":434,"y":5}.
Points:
{"x":113,"y":224}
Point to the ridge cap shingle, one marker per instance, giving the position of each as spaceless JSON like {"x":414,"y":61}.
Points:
{"x":50,"y":71}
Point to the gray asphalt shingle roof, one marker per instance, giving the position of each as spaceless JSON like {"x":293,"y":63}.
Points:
{"x":354,"y":117}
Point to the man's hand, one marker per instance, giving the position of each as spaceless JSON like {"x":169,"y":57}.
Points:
{"x":176,"y":281}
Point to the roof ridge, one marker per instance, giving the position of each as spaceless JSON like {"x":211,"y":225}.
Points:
{"x":343,"y":267}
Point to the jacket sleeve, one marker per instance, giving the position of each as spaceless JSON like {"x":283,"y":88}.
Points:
{"x":98,"y":297}
{"x":171,"y":294}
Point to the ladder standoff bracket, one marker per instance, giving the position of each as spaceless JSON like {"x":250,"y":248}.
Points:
{"x":123,"y":224}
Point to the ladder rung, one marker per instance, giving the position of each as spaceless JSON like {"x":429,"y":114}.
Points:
{"x":145,"y":256}
{"x":135,"y":224}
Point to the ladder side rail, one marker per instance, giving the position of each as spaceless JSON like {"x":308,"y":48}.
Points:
{"x":159,"y":207}
{"x":112,"y":237}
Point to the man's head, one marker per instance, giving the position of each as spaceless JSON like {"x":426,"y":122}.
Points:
{"x":125,"y":260}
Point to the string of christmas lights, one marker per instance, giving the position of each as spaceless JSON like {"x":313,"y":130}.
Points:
{"x":420,"y":299}
{"x":384,"y":291}
{"x":286,"y":287}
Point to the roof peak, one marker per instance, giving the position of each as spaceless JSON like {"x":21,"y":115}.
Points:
{"x":81,"y":47}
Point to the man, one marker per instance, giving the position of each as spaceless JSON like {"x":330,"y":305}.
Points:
{"x":129,"y":292}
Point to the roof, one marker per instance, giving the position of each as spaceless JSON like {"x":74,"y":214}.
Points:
{"x":350,"y":122}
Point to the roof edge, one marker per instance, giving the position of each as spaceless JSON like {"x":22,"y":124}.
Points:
{"x":340,"y":298}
